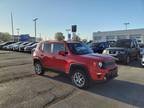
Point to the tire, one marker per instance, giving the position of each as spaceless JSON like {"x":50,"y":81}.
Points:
{"x":80,"y":78}
{"x":39,"y":70}
{"x":138,"y":57}
{"x":127,"y":61}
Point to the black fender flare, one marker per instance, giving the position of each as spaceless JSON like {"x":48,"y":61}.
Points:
{"x":74,"y":66}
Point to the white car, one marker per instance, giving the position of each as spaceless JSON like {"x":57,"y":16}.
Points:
{"x":142,"y":60}
{"x":141,"y":51}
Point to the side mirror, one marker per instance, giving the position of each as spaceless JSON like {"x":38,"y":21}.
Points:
{"x":63,"y":53}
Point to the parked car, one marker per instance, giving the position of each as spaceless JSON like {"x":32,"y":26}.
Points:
{"x":33,"y":50}
{"x":11,"y":46}
{"x":16,"y":47}
{"x":29,"y":48}
{"x":4,"y":44}
{"x":125,"y":50}
{"x":112,"y":43}
{"x":141,"y":49}
{"x":99,"y":47}
{"x":21,"y":47}
{"x":142,"y":60}
{"x":76,"y":60}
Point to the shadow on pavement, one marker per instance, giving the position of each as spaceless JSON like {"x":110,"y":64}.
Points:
{"x":123,"y":91}
{"x":133,"y":63}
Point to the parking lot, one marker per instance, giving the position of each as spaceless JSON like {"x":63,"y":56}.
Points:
{"x":21,"y":88}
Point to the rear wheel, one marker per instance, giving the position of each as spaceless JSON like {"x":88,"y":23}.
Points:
{"x":38,"y":68}
{"x":127,"y":61}
{"x":80,"y":78}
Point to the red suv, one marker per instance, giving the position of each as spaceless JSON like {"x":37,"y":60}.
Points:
{"x":74,"y":59}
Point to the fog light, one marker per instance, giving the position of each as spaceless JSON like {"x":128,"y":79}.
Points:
{"x":99,"y":73}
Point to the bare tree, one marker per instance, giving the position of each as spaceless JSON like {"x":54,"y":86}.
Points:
{"x":76,"y":38}
{"x":59,"y":36}
{"x":5,"y":36}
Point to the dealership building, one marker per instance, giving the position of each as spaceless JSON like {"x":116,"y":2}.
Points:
{"x":137,"y":34}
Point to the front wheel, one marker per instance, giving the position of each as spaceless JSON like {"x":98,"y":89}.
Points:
{"x":80,"y":79}
{"x":38,"y":68}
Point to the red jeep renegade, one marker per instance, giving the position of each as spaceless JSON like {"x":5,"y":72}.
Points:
{"x":76,"y":60}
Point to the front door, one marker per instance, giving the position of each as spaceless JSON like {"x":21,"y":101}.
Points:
{"x":59,"y":60}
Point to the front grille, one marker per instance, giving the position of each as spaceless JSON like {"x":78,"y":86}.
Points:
{"x":112,"y":52}
{"x":108,"y":64}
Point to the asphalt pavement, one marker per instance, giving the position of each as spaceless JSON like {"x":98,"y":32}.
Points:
{"x":21,"y":88}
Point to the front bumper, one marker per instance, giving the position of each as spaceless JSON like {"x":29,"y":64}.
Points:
{"x":142,"y":61}
{"x":112,"y":74}
{"x":106,"y":74}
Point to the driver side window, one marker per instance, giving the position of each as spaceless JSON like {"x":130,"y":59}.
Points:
{"x":58,"y":47}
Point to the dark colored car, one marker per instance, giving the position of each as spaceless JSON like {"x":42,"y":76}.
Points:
{"x":76,"y":60}
{"x":4,"y":44}
{"x":30,"y":48}
{"x":11,"y":46}
{"x":16,"y":47}
{"x":125,"y":50}
{"x":21,"y":47}
{"x":99,"y":47}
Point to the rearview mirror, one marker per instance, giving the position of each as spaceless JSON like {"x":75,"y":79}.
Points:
{"x":63,"y":53}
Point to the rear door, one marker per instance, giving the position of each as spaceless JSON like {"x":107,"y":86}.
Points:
{"x":46,"y":55}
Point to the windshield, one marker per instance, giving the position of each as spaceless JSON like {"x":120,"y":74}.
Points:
{"x":123,"y":43}
{"x":79,"y":48}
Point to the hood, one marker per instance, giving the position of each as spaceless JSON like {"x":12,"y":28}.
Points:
{"x":99,"y":57}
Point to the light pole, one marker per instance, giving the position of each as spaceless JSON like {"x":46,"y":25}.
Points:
{"x":12,"y":26}
{"x":40,"y":36}
{"x":18,"y":29}
{"x":126,"y":25}
{"x":35,"y":19}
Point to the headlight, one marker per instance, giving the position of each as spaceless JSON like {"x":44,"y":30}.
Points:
{"x":105,"y":51}
{"x":100,"y":64}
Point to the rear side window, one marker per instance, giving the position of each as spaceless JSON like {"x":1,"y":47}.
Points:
{"x":46,"y":47}
{"x":58,"y":47}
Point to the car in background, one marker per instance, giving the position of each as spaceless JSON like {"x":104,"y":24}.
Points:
{"x":4,"y":44}
{"x":10,"y":47}
{"x":29,"y":49}
{"x":99,"y":47}
{"x":112,"y":43}
{"x":125,"y":50}
{"x":76,"y":60}
{"x":16,"y":47}
{"x":21,"y":47}
{"x":142,"y":53}
{"x":142,"y":60}
{"x":141,"y":49}
{"x":33,"y":50}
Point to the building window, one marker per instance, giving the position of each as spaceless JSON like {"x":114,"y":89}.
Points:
{"x":135,"y":36}
{"x":97,"y":37}
{"x":121,"y":36}
{"x":109,"y":38}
